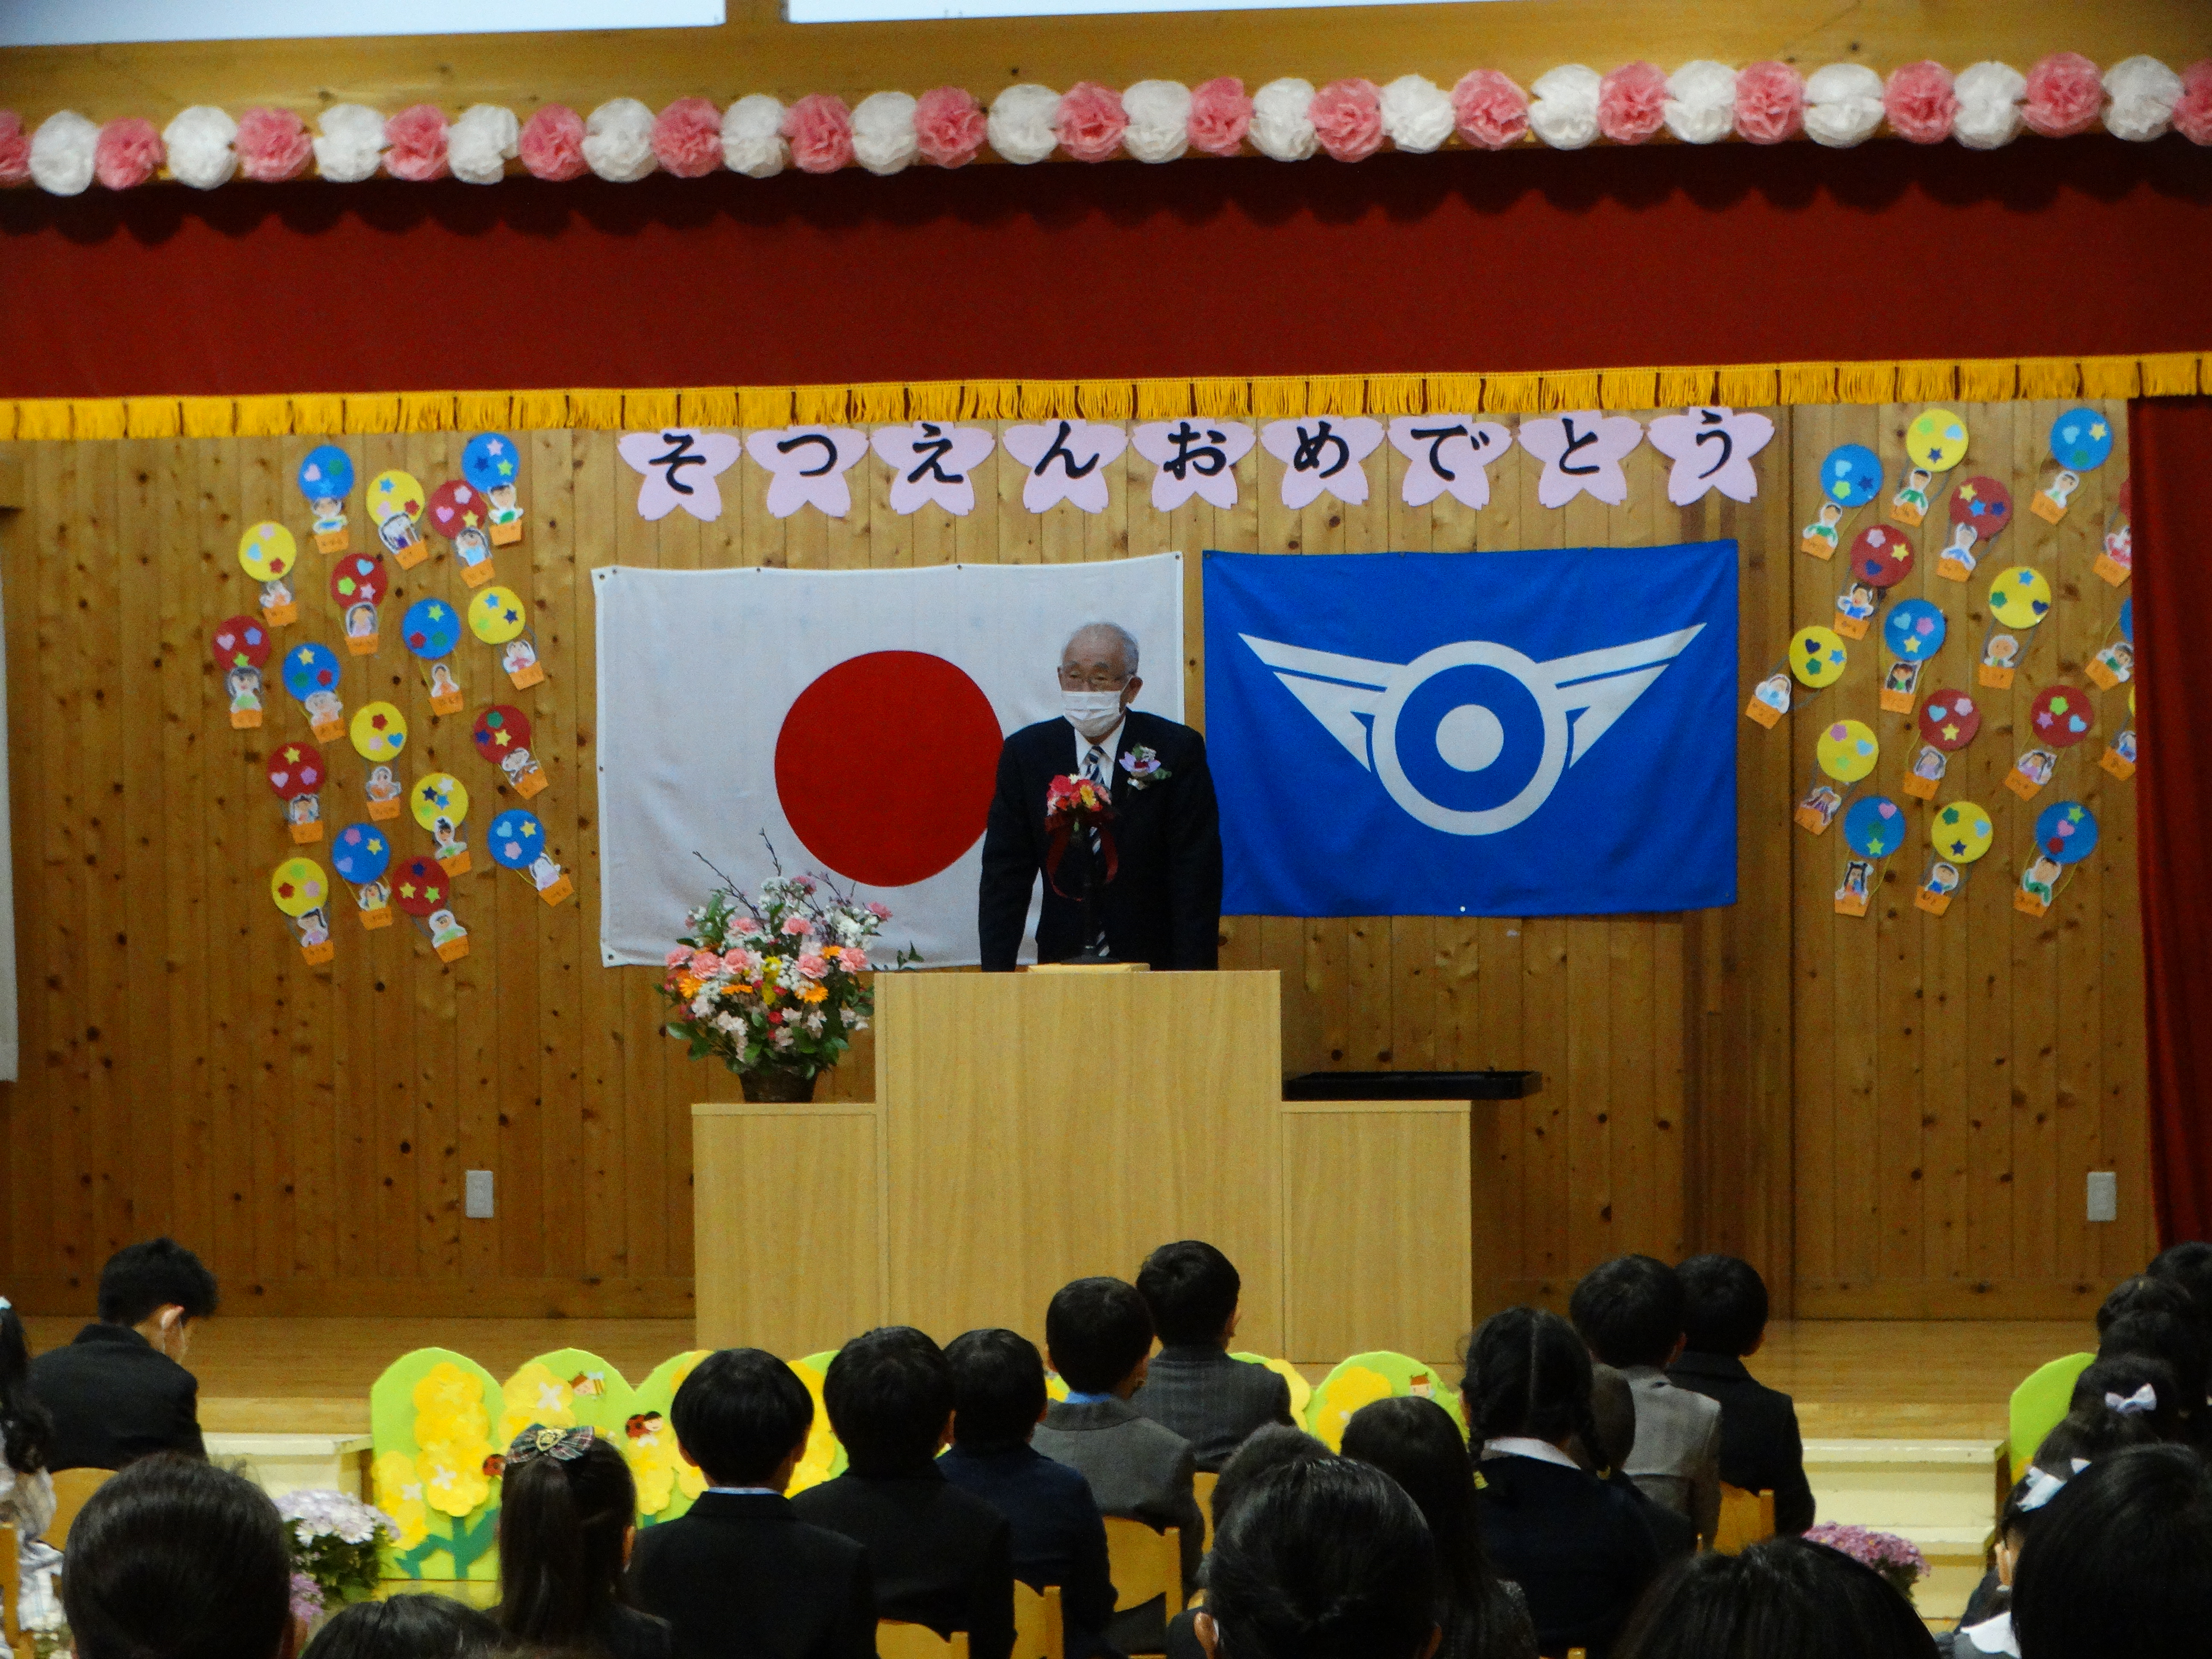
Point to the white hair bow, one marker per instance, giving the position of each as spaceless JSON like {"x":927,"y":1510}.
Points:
{"x":2042,"y":1487}
{"x":2143,"y":1400}
{"x":5,"y":1303}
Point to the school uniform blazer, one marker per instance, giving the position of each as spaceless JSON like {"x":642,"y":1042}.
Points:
{"x":1164,"y":906}
{"x":741,"y":1576}
{"x":1211,"y":1401}
{"x":939,"y":1556}
{"x":1677,"y":1456}
{"x":1761,"y":1450}
{"x":1577,"y":1548}
{"x":1139,"y":1470}
{"x":1059,"y":1536}
{"x":114,"y":1397}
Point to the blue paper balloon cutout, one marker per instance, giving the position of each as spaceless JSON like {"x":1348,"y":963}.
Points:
{"x":1876,"y":827}
{"x":326,"y":472}
{"x":2066,"y":831}
{"x":517,"y":838}
{"x":489,"y":461}
{"x":1914,"y":630}
{"x":309,"y":668}
{"x":431,"y":629}
{"x":2128,"y":619}
{"x":361,"y":853}
{"x":2080,"y":438}
{"x":1852,"y":475}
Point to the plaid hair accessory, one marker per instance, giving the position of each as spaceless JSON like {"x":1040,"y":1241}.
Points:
{"x":561,"y":1445}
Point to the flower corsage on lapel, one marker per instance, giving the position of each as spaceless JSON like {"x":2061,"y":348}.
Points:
{"x":1144,"y":768}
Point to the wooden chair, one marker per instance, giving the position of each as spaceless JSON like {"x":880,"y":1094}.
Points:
{"x":1203,"y":1484}
{"x":15,"y":1640}
{"x":898,"y":1639}
{"x":1038,"y":1631}
{"x":1746,"y":1518}
{"x":1143,"y":1563}
{"x":71,"y":1488}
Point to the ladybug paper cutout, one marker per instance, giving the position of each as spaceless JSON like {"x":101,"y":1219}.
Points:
{"x":1847,"y":750}
{"x":241,"y":643}
{"x":295,"y":769}
{"x":1817,"y":656}
{"x":500,"y":730}
{"x":378,"y":731}
{"x":1914,"y":630}
{"x":361,"y":853}
{"x":497,"y":615}
{"x":2066,"y":831}
{"x":359,"y":578}
{"x":488,"y":462}
{"x":1874,"y":827}
{"x":1881,"y":557}
{"x":2081,"y":439}
{"x":298,"y":885}
{"x":1852,"y":475}
{"x":326,"y":474}
{"x":395,"y":494}
{"x":1936,"y":439}
{"x":1962,"y":832}
{"x":431,"y":629}
{"x":309,"y":668}
{"x":1949,"y":720}
{"x":422,"y":887}
{"x":454,"y":507}
{"x":2061,"y":716}
{"x":517,"y":839}
{"x":1984,"y":504}
{"x":267,"y":551}
{"x":2020,"y":597}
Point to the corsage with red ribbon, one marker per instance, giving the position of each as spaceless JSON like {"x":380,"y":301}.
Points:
{"x":1077,"y":806}
{"x":1144,"y":768}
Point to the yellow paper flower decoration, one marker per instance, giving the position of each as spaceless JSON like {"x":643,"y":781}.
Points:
{"x":453,"y":1478}
{"x":1333,"y":1408}
{"x":650,"y":1448}
{"x":449,"y":1407}
{"x":534,"y":1394}
{"x":821,"y":1443}
{"x":399,"y":1494}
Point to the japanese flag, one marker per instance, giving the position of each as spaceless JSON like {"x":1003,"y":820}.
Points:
{"x":850,"y":718}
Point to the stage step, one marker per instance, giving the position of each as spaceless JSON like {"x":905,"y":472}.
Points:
{"x":279,"y":1463}
{"x":1942,"y":1494}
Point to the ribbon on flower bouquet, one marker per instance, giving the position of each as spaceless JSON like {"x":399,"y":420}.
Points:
{"x":1073,"y":805}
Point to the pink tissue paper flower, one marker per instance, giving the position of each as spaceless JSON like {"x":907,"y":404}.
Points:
{"x":2192,"y":115}
{"x":819,"y":128}
{"x":949,"y":126}
{"x":553,"y":143}
{"x":15,"y":149}
{"x":1090,"y":121}
{"x":1920,"y":103}
{"x":1347,"y":118}
{"x":1220,"y":116}
{"x":1770,"y":103}
{"x":415,"y":143}
{"x":2065,"y":96}
{"x":272,"y":145}
{"x":686,"y":138}
{"x":1490,"y":110}
{"x":1631,"y":103}
{"x":127,"y":153}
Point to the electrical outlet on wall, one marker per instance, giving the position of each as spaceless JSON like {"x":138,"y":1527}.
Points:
{"x":477,"y":1200}
{"x":2104,"y":1196}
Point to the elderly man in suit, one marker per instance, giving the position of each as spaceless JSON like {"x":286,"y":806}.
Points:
{"x":1163,"y":904}
{"x":118,"y":1392}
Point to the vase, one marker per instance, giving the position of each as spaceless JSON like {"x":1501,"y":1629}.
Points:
{"x":776,"y":1084}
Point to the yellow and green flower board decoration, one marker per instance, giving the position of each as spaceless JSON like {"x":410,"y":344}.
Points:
{"x":1366,"y":1377}
{"x":435,"y":1472}
{"x":824,"y":1457}
{"x":666,"y":1484}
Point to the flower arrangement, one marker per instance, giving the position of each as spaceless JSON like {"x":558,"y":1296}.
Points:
{"x":1074,"y":806}
{"x":333,"y":1541}
{"x":1898,"y":1560}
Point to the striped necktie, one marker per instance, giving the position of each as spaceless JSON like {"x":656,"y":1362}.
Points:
{"x":1093,"y":768}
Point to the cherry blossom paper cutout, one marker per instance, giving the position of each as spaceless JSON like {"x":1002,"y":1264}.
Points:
{"x":806,"y":467}
{"x":680,"y":464}
{"x":1196,"y":457}
{"x":931,"y":461}
{"x":1581,"y":453}
{"x":1066,"y":461}
{"x":1711,"y":449}
{"x":1448,"y":454}
{"x":1322,"y":453}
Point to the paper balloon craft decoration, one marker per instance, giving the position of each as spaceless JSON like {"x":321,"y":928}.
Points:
{"x":395,"y":502}
{"x":1844,"y":752}
{"x":241,"y":649}
{"x":1957,"y":834}
{"x":1851,"y":476}
{"x":1817,"y":657}
{"x":358,"y":584}
{"x":1872,"y":829}
{"x":2059,"y":718}
{"x":1914,"y":632}
{"x":491,"y":464}
{"x":2116,"y":560}
{"x":2119,"y":755}
{"x":378,"y":734}
{"x":1948,"y":724}
{"x":2081,"y":441}
{"x":1880,"y":558}
{"x":310,"y":675}
{"x":462,"y":516}
{"x":302,"y":893}
{"x":326,"y":479}
{"x":441,"y":802}
{"x":422,"y":891}
{"x":502,"y":737}
{"x":2019,"y":600}
{"x":1935,"y":442}
{"x":296,"y":774}
{"x":498,"y":617}
{"x":267,"y":553}
{"x":430,"y":630}
{"x":2115,"y":662}
{"x":518,"y":842}
{"x":1980,"y":509}
{"x":2065,"y":834}
{"x":362,"y":853}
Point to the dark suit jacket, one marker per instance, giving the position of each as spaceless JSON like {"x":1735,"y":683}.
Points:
{"x":1211,"y":1401}
{"x":1059,"y":1536}
{"x":1579,"y":1550}
{"x":115,"y":1397}
{"x":1164,"y":905}
{"x":1139,"y":1470}
{"x":1761,"y":1448}
{"x":741,"y":1576}
{"x":628,"y":1634}
{"x":939,"y":1556}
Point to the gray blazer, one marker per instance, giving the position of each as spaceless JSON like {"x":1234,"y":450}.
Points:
{"x":1211,"y":1401}
{"x":1677,"y":1458}
{"x":1137,"y":1469}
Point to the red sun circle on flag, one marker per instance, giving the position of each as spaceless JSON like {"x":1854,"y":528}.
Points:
{"x":885,"y":766}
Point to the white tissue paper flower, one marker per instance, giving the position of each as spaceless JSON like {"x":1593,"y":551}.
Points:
{"x":351,"y":144}
{"x":1417,"y":113}
{"x":883,"y":131}
{"x":1843,"y":105}
{"x":199,"y":141}
{"x":1282,"y":120}
{"x":1159,"y":119}
{"x":1020,"y":124}
{"x":482,"y":142}
{"x":752,"y":136}
{"x":1988,"y":96}
{"x":62,"y":153}
{"x":618,"y":141}
{"x":1563,"y":110}
{"x":1700,"y":105}
{"x":2143,"y":93}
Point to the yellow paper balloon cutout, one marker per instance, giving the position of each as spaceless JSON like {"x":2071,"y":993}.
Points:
{"x":298,"y":885}
{"x":1960,"y":832}
{"x":2020,"y":597}
{"x":439,"y":795}
{"x":267,"y":551}
{"x":395,"y":495}
{"x":1936,"y":439}
{"x":1847,"y":750}
{"x":497,"y":615}
{"x":1817,"y":656}
{"x":378,"y":731}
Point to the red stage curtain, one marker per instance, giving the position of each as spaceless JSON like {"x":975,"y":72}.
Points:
{"x":2171,"y":448}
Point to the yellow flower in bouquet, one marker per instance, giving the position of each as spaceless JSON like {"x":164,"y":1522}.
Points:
{"x":399,"y":1494}
{"x":534,"y":1394}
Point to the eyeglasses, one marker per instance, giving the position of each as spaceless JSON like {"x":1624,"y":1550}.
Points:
{"x":1077,"y":679}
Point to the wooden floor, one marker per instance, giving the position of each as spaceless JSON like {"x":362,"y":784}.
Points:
{"x":1851,"y":1379}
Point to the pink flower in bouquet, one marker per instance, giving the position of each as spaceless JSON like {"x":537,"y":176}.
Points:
{"x":740,"y":960}
{"x":1090,"y":121}
{"x":2063,"y":96}
{"x":948,"y":125}
{"x":704,"y":962}
{"x":746,"y":927}
{"x":1220,"y":116}
{"x":1631,"y":103}
{"x":855,"y":960}
{"x":798,"y":926}
{"x":812,"y":965}
{"x":804,"y":884}
{"x":679,"y":955}
{"x":1489,"y":109}
{"x":880,"y":912}
{"x":1347,"y":118}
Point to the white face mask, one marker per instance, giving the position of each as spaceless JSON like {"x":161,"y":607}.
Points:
{"x":1094,"y":714}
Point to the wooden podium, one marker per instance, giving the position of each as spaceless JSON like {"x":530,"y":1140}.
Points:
{"x":1032,"y":1128}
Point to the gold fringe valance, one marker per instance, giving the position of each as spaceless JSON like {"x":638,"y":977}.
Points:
{"x":2167,"y":374}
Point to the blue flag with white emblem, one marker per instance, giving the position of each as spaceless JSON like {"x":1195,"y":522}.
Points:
{"x":1541,"y":733}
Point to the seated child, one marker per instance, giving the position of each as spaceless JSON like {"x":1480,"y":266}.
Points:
{"x":1724,"y":1323}
{"x":2119,"y":1565}
{"x":1268,"y":1448}
{"x":1630,"y":1311}
{"x":1193,"y":1386}
{"x":567,"y":1513}
{"x":121,"y":1391}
